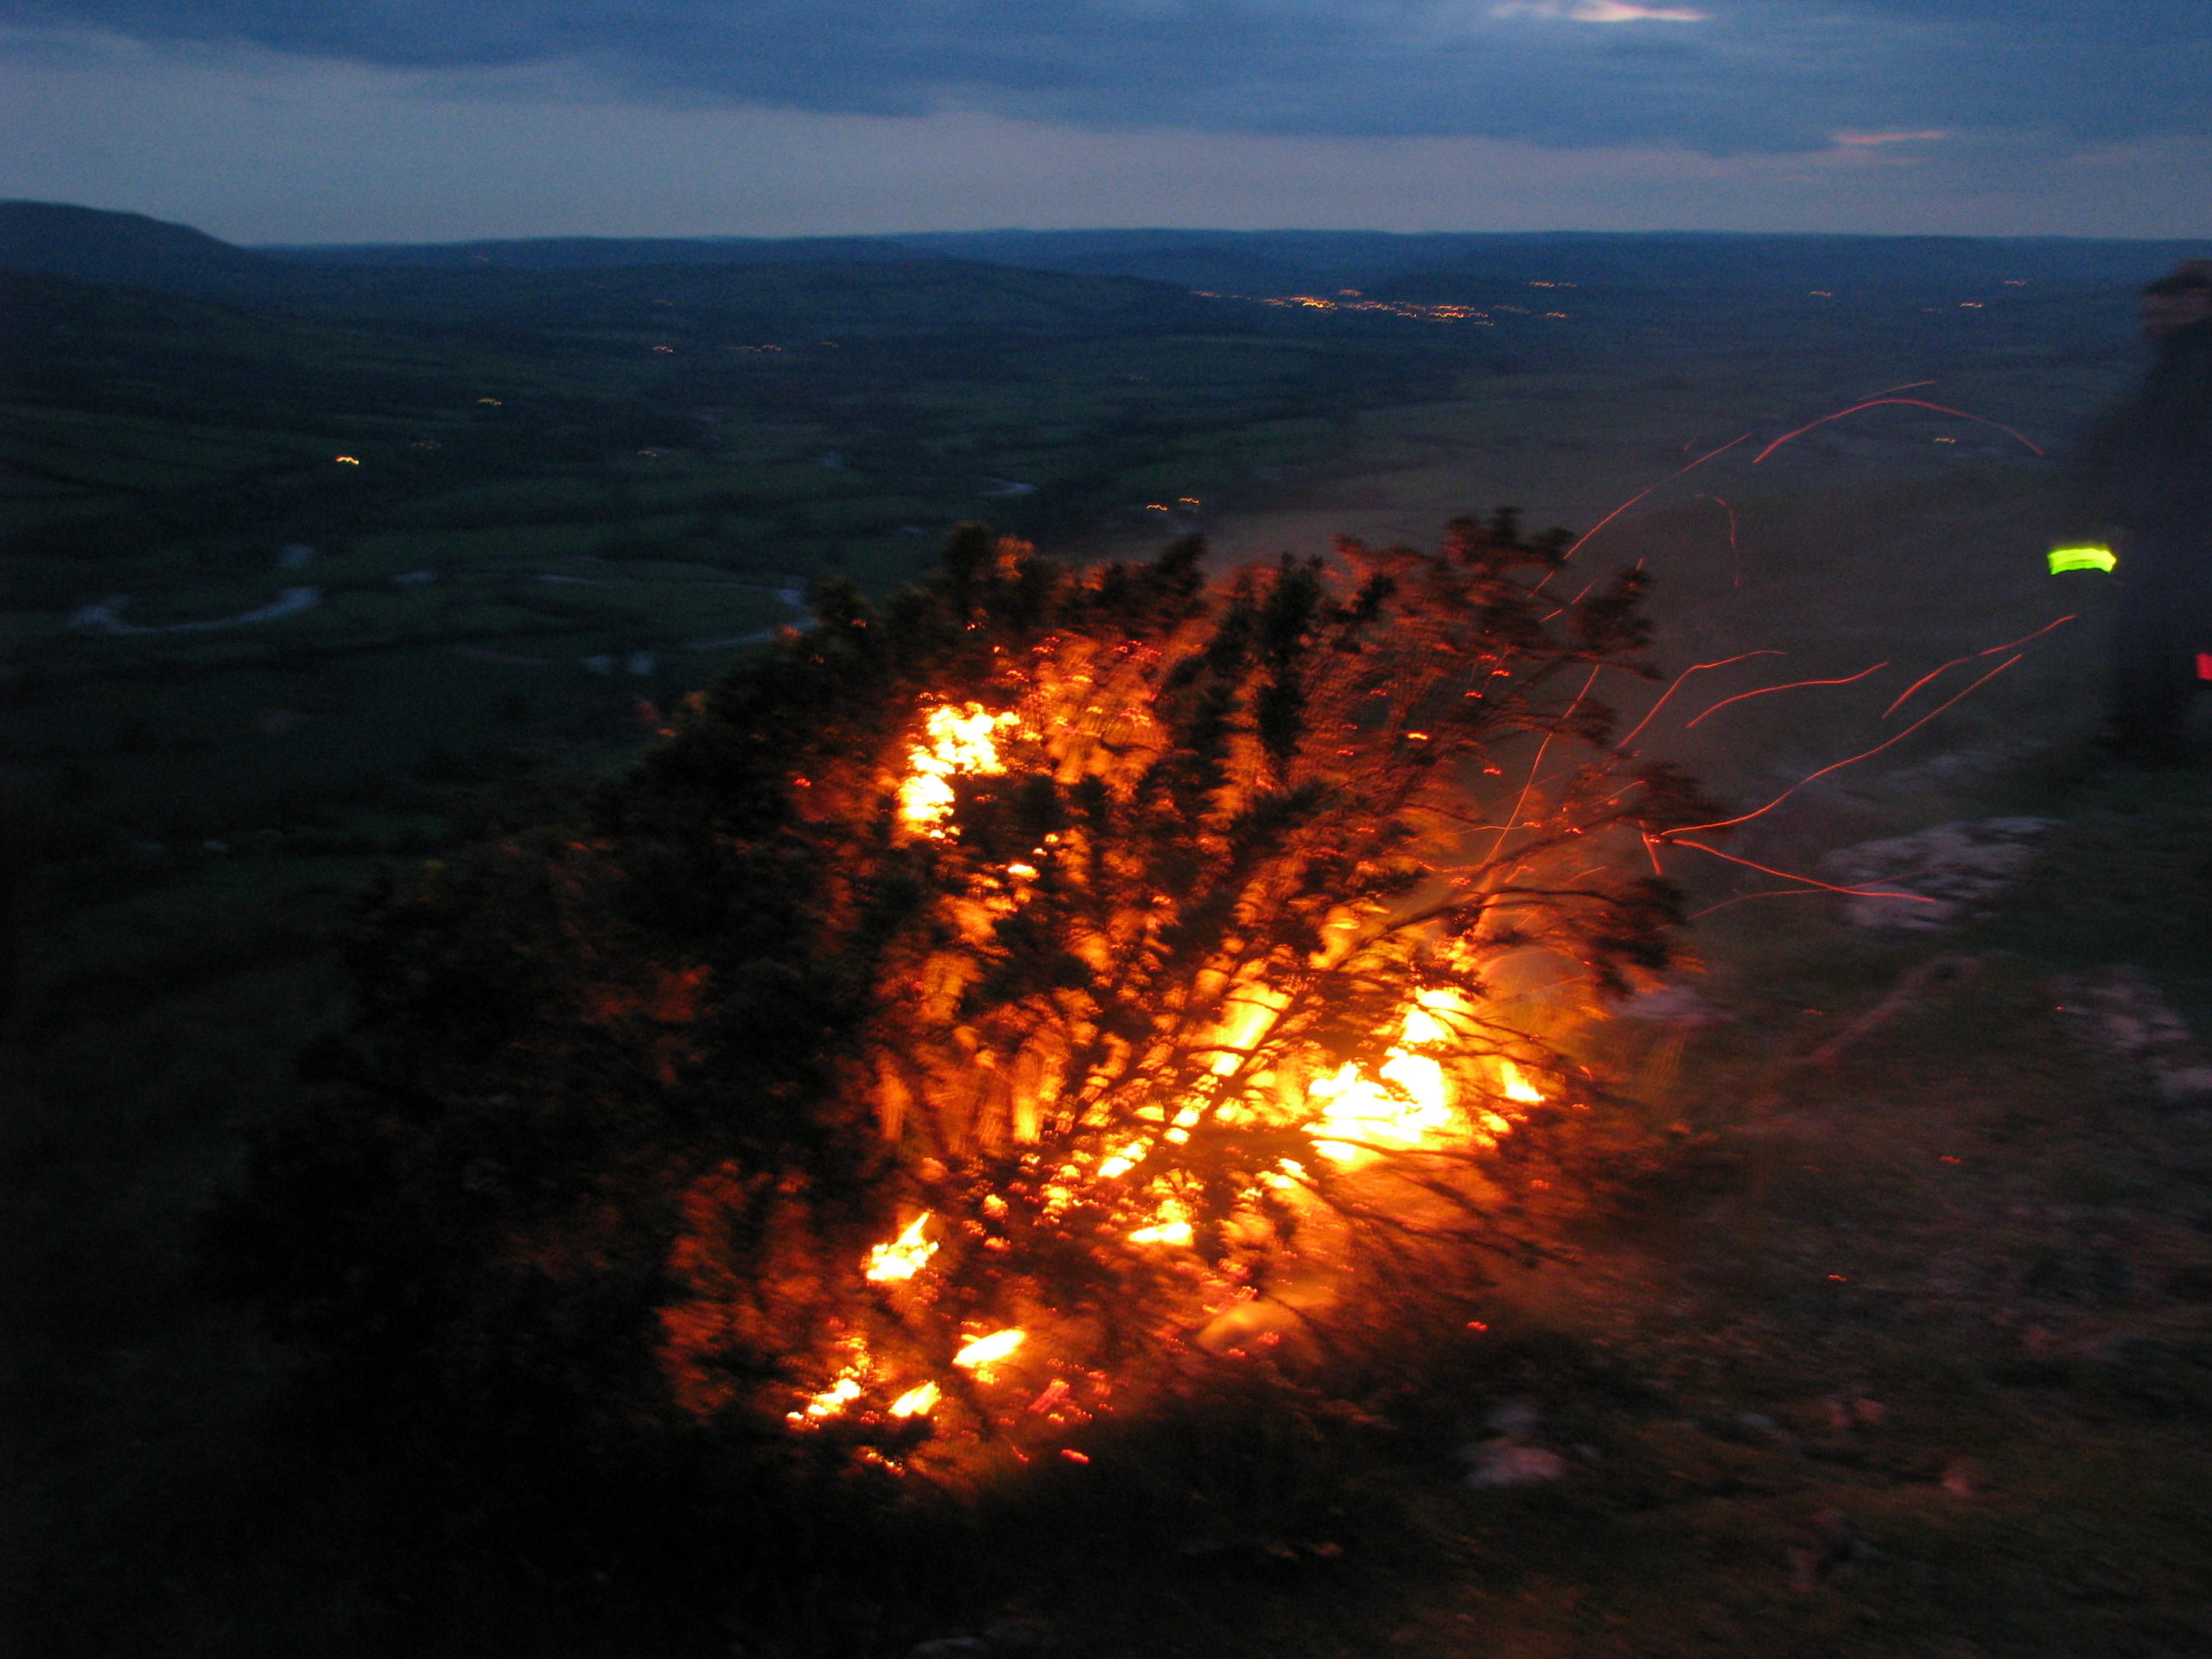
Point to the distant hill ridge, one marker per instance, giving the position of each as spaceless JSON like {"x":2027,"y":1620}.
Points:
{"x":1261,"y":263}
{"x":838,"y":284}
{"x":57,"y":239}
{"x":599,"y":252}
{"x":1064,"y":275}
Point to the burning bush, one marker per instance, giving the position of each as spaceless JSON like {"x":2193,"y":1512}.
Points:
{"x":982,"y":1008}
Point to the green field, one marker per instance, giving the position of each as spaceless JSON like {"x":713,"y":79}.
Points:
{"x":491,"y":510}
{"x":529,"y":496}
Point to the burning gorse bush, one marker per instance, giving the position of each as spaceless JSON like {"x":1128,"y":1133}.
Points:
{"x":979,"y":1008}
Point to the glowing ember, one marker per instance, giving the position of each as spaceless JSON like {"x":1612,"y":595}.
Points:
{"x":831,"y":1401}
{"x":989,"y":1350}
{"x":1121,"y":1162}
{"x":960,"y":740}
{"x":1170,"y":1225}
{"x":917,"y":1402}
{"x":904,"y":1257}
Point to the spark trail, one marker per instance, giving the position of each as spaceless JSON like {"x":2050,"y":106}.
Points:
{"x":1584,"y":538}
{"x":1794,"y":685}
{"x":1673,"y":835}
{"x":1876,"y":403}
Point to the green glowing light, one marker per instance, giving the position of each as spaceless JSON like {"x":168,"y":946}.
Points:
{"x":2080,"y":558}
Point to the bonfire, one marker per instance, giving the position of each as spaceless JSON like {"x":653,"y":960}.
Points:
{"x":985,"y":1007}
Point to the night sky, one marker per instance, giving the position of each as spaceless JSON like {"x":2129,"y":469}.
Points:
{"x":306,"y":120}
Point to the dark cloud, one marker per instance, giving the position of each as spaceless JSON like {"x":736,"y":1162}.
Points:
{"x":1717,"y":75}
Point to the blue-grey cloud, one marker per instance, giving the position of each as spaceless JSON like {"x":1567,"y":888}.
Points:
{"x":1717,"y":75}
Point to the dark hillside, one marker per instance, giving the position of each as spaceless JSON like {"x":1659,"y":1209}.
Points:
{"x":908,"y":296}
{"x":1257,"y":263}
{"x":1666,"y":292}
{"x":596,"y":252}
{"x":831,"y":286}
{"x":1223,"y":265}
{"x":59,"y":239}
{"x":90,"y":344}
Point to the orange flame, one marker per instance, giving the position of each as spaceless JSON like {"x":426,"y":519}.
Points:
{"x":989,"y":1350}
{"x":1420,"y":1095}
{"x":1406,"y":1103}
{"x":905,"y":1256}
{"x":963,"y":741}
{"x":917,"y":1402}
{"x":1171,"y":1225}
{"x":1513,"y":1085}
{"x":845,"y":1387}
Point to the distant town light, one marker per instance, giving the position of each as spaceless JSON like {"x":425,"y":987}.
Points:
{"x":346,"y":461}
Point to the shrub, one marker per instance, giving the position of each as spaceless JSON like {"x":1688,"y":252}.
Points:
{"x":1121,"y":965}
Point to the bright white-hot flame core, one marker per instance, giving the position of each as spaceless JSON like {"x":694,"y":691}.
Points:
{"x":960,"y":741}
{"x":989,"y":1350}
{"x":917,"y":1402}
{"x":905,"y":1256}
{"x":1171,"y":1225}
{"x":1513,"y":1085}
{"x":845,"y":1387}
{"x":1407,"y":1101}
